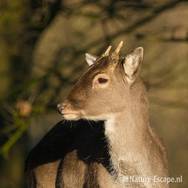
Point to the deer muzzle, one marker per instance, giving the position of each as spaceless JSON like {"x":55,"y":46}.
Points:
{"x":66,"y":110}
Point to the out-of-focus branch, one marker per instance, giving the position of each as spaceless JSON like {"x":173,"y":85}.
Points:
{"x":22,"y":126}
{"x":139,"y":23}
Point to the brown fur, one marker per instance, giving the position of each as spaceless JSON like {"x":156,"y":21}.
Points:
{"x":121,"y":105}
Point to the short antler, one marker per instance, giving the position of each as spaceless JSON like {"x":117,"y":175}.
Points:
{"x":107,"y":52}
{"x":117,"y":50}
{"x":115,"y":54}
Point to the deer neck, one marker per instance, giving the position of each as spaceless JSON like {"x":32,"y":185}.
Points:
{"x":126,"y":132}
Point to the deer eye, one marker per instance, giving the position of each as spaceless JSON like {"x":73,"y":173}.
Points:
{"x":102,"y":80}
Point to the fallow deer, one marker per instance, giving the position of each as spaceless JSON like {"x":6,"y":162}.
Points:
{"x":106,"y":136}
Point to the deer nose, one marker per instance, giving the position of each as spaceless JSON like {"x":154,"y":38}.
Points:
{"x":60,"y":108}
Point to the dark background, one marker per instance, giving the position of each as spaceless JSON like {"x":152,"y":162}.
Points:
{"x":42,"y":46}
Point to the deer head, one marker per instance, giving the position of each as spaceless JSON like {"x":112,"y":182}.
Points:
{"x":106,"y":86}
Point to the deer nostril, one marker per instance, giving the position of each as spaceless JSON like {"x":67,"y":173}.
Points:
{"x":60,"y":108}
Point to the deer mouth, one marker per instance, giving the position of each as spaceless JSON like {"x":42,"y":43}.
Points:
{"x":71,"y":115}
{"x":68,"y":113}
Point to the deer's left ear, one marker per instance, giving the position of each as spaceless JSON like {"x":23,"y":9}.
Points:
{"x":90,"y":59}
{"x":132,"y":64}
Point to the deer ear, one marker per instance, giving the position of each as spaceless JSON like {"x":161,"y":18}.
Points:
{"x":132,"y":64}
{"x":90,"y":59}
